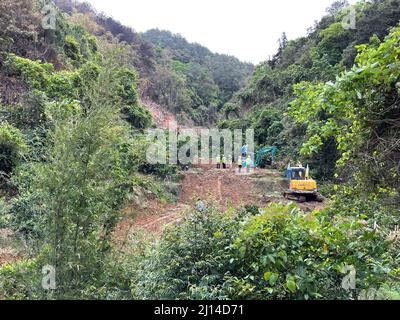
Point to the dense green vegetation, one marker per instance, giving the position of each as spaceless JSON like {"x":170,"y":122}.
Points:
{"x":204,"y":81}
{"x":71,"y":150}
{"x":328,"y":50}
{"x":280,"y":253}
{"x":72,"y":142}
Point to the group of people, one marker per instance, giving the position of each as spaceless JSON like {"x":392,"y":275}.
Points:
{"x":244,"y":161}
{"x":222,"y":160}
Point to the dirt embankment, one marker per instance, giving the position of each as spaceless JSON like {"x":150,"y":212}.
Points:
{"x":8,"y":248}
{"x":161,"y":116}
{"x":204,"y":182}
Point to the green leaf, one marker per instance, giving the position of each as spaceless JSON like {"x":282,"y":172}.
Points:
{"x":267,"y":275}
{"x":291,"y":285}
{"x":271,"y":277}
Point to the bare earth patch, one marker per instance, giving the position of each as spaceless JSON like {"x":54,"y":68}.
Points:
{"x":8,"y":253}
{"x":204,"y":182}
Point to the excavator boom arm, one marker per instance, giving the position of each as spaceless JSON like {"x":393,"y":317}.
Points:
{"x":260,"y":154}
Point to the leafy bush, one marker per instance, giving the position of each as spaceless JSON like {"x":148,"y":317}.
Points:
{"x":27,"y":115}
{"x":134,"y":157}
{"x":72,"y":48}
{"x":230,"y":108}
{"x":280,"y":253}
{"x":127,"y":81}
{"x":4,"y":218}
{"x":12,"y":147}
{"x":35,"y":73}
{"x":284,"y":253}
{"x":27,"y":213}
{"x":21,"y":280}
{"x":387,"y":292}
{"x":190,"y":255}
{"x":63,"y":85}
{"x":379,"y":208}
{"x":118,"y":271}
{"x":160,"y":170}
{"x":137,"y":116}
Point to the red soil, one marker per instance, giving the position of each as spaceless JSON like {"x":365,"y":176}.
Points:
{"x":224,"y":187}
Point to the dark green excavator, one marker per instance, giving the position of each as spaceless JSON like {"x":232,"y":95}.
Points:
{"x":264,"y":151}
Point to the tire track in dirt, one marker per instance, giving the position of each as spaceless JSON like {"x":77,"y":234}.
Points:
{"x":224,"y":187}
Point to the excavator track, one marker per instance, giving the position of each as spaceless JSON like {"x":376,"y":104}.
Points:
{"x":301,"y":198}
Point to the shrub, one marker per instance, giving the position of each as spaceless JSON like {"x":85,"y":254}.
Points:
{"x":127,"y":80}
{"x":27,"y":213}
{"x":21,"y":280}
{"x":280,"y":253}
{"x":88,"y":74}
{"x":12,"y":147}
{"x":35,"y":73}
{"x":160,"y":170}
{"x":62,"y":85}
{"x":379,"y":208}
{"x":187,"y":256}
{"x":137,"y":116}
{"x":3,"y":214}
{"x":72,"y":48}
{"x":118,"y":271}
{"x":89,"y":45}
{"x":27,"y":115}
{"x":284,"y":253}
{"x":230,"y":108}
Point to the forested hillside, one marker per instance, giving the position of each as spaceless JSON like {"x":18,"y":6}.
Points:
{"x":188,"y":79}
{"x":78,"y":194}
{"x":327,"y":51}
{"x":71,"y":143}
{"x":210,"y":79}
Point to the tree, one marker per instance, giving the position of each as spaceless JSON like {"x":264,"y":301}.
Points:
{"x":12,"y":148}
{"x":337,"y":7}
{"x":229,"y":109}
{"x":360,"y":111}
{"x":83,"y":182}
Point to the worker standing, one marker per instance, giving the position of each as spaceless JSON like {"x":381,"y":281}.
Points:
{"x":218,"y":160}
{"x":224,"y":162}
{"x":244,"y":151}
{"x":299,"y":164}
{"x":248,"y":164}
{"x":289,"y":171}
{"x":200,"y":206}
{"x":240,"y":164}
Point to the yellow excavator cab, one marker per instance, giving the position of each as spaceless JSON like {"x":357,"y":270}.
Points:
{"x":301,"y":187}
{"x":300,"y":181}
{"x":304,"y":185}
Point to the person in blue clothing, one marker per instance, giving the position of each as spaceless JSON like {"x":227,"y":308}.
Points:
{"x":289,"y":171}
{"x":244,"y":151}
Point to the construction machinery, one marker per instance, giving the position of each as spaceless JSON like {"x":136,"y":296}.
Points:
{"x":302,"y":187}
{"x":266,"y":150}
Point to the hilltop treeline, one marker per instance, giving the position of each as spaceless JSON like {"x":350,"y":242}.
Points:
{"x":186,"y":78}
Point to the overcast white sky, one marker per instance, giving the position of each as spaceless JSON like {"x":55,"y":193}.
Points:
{"x":247,"y":29}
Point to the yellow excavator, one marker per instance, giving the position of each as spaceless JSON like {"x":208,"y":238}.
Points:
{"x":302,"y":187}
